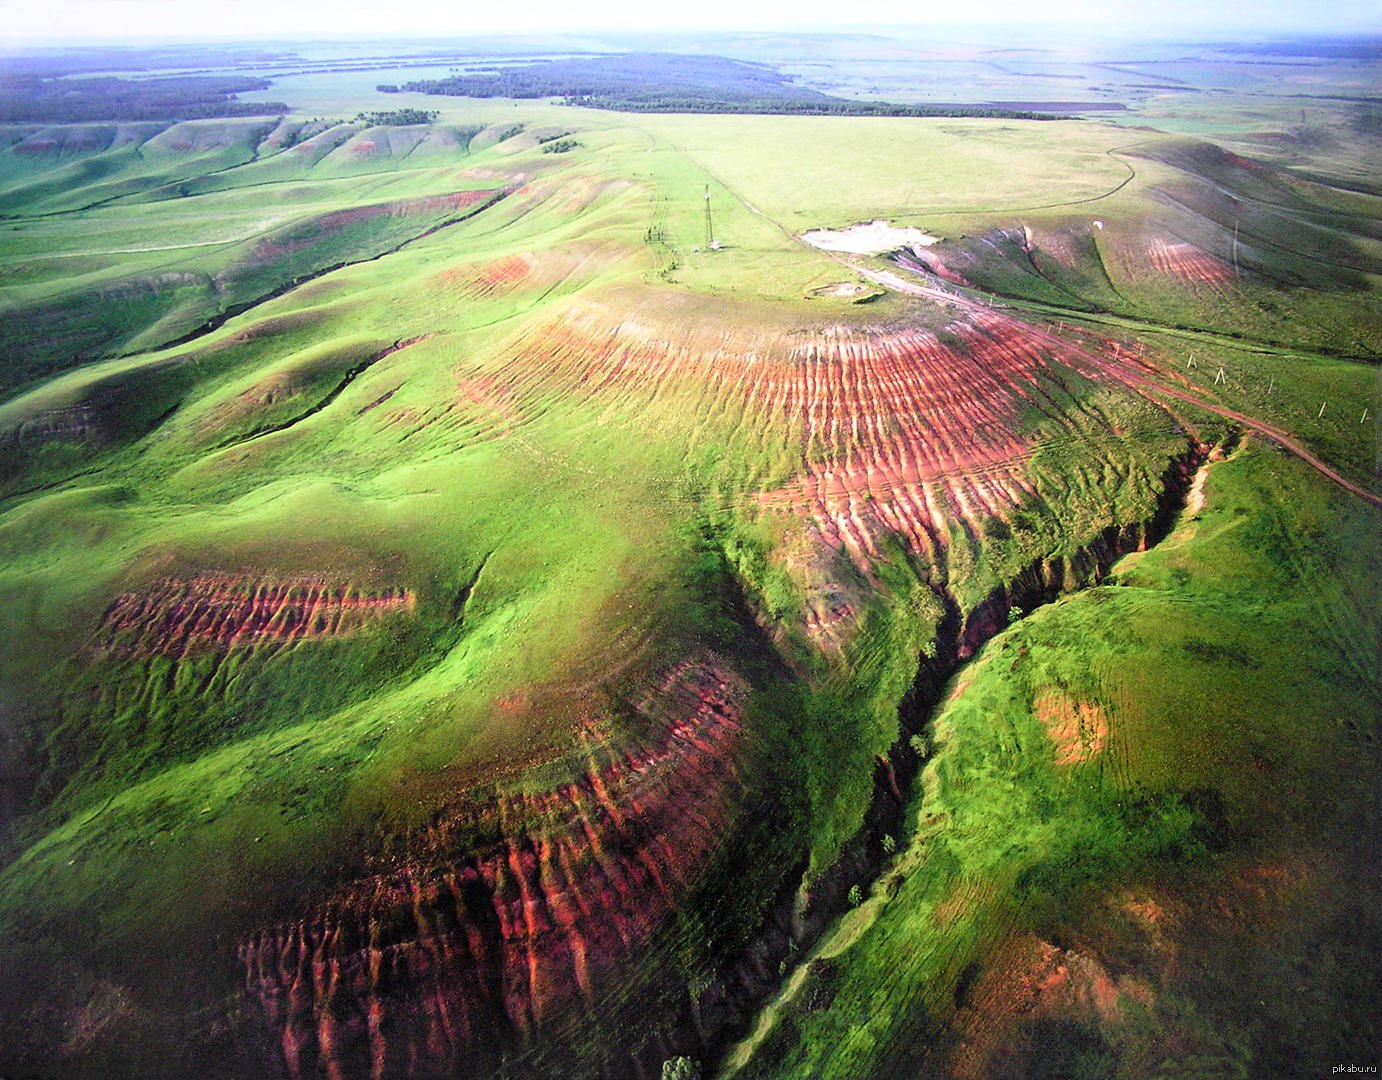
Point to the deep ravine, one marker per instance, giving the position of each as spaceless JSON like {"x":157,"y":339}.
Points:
{"x":729,"y":1011}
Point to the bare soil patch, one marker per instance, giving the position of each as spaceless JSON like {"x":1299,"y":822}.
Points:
{"x":1078,"y":728}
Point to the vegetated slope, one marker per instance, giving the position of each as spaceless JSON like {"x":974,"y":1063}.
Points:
{"x":528,"y":651}
{"x":183,"y":290}
{"x":46,"y":338}
{"x":536,"y":944}
{"x":1211,"y":781}
{"x":1221,"y":243}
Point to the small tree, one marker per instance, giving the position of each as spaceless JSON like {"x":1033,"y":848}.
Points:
{"x":889,"y":844}
{"x":681,"y":1068}
{"x":856,"y":896}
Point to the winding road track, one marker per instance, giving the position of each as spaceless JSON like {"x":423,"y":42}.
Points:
{"x":1140,"y":381}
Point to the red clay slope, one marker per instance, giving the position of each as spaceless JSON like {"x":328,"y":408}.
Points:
{"x":224,"y":611}
{"x":428,"y":968}
{"x":1187,"y":262}
{"x":924,"y":432}
{"x":902,"y":433}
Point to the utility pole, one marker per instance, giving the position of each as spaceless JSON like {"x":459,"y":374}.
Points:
{"x":709,"y":230}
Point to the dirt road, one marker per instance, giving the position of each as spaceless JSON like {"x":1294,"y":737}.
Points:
{"x":1139,"y":380}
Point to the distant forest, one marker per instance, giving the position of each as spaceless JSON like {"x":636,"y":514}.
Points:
{"x":671,"y":82}
{"x":398,"y":117}
{"x":36,"y":97}
{"x":1359,"y":47}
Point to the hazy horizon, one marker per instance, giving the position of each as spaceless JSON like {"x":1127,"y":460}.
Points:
{"x":125,"y":22}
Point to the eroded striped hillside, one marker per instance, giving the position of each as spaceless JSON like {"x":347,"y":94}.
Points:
{"x":470,"y":625}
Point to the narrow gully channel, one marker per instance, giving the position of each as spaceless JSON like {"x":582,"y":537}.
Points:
{"x":798,"y":923}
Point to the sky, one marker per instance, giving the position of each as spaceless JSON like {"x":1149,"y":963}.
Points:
{"x":126,"y":20}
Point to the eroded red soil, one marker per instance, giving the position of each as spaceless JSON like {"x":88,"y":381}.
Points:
{"x":1142,"y":943}
{"x":530,"y":270}
{"x":1187,"y":262}
{"x":921,"y":261}
{"x":1079,"y":729}
{"x":490,"y":401}
{"x":902,"y":433}
{"x":224,"y":611}
{"x":1034,"y":980}
{"x":456,"y":951}
{"x":495,"y":278}
{"x":922,"y":433}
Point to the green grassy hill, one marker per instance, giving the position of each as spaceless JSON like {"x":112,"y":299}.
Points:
{"x":456,"y":623}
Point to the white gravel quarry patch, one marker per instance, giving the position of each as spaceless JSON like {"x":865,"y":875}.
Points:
{"x":872,"y":239}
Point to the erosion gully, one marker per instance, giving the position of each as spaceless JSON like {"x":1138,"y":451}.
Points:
{"x":729,"y":1019}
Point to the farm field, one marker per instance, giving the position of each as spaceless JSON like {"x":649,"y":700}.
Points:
{"x":481,"y":596}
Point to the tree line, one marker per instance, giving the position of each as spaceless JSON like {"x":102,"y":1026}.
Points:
{"x":671,"y":82}
{"x":36,"y":98}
